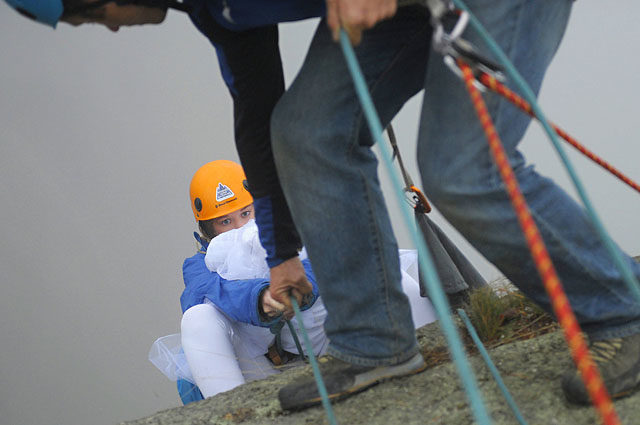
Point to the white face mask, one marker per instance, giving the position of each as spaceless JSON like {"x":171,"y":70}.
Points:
{"x":238,"y":254}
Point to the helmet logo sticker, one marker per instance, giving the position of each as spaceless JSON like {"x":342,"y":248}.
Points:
{"x":223,"y":192}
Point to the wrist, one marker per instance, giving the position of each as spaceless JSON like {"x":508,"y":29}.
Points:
{"x":276,"y":261}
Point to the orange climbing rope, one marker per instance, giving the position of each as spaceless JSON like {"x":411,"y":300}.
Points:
{"x":492,"y":83}
{"x":564,"y":313}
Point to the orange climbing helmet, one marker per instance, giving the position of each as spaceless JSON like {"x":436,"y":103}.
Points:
{"x":218,"y":188}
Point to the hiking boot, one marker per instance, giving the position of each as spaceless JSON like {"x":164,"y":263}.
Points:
{"x":618,"y":360}
{"x":343,"y":379}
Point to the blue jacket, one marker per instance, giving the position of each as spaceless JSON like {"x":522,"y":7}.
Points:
{"x":239,"y":299}
{"x":244,"y":34}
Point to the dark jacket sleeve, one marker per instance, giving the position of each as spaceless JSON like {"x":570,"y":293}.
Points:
{"x":252,"y":69}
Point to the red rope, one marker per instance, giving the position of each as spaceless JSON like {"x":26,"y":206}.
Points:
{"x":564,"y":313}
{"x":518,"y":101}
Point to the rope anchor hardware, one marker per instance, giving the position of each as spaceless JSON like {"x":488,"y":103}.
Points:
{"x":415,"y":197}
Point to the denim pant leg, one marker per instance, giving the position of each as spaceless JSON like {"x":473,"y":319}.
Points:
{"x":460,"y":178}
{"x":329,"y":176}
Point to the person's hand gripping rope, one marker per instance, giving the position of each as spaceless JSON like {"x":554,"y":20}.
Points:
{"x":355,"y":16}
{"x":289,"y":279}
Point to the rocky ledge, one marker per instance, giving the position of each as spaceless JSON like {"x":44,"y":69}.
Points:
{"x":531,"y":370}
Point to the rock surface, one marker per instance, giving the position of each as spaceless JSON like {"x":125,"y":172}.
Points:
{"x":531,"y":370}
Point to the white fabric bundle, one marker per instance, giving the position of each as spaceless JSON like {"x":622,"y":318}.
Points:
{"x":238,"y":254}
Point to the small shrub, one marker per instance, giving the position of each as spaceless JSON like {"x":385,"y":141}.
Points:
{"x":512,"y":317}
{"x":486,"y":313}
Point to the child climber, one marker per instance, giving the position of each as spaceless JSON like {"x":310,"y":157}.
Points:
{"x":228,"y":311}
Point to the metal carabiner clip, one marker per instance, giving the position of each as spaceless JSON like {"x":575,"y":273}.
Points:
{"x":443,"y":42}
{"x":462,"y":49}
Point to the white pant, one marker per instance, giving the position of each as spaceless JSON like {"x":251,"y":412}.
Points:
{"x":223,"y":353}
{"x":219,"y":350}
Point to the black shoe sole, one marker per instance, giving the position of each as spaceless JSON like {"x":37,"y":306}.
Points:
{"x":353,"y":390}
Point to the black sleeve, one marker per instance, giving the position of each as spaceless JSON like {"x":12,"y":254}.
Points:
{"x":252,"y":68}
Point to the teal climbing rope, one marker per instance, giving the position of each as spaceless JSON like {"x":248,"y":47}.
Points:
{"x":295,"y":336}
{"x":433,"y":282}
{"x":492,"y":368}
{"x":322,"y":389}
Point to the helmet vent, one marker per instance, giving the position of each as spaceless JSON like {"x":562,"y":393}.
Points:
{"x":198,"y":204}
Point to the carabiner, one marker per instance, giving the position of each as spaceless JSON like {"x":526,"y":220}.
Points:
{"x":419,"y":200}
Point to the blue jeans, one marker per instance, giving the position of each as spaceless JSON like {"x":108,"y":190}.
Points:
{"x":329,"y":174}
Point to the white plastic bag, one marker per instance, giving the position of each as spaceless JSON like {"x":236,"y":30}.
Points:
{"x":167,"y":355}
{"x":422,"y":310}
{"x":238,"y":254}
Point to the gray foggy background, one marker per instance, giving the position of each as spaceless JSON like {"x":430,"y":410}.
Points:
{"x":100,"y":134}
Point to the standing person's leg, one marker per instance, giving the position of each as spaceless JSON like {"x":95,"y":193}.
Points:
{"x":460,"y":178}
{"x":328,"y":172}
{"x":329,"y":175}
